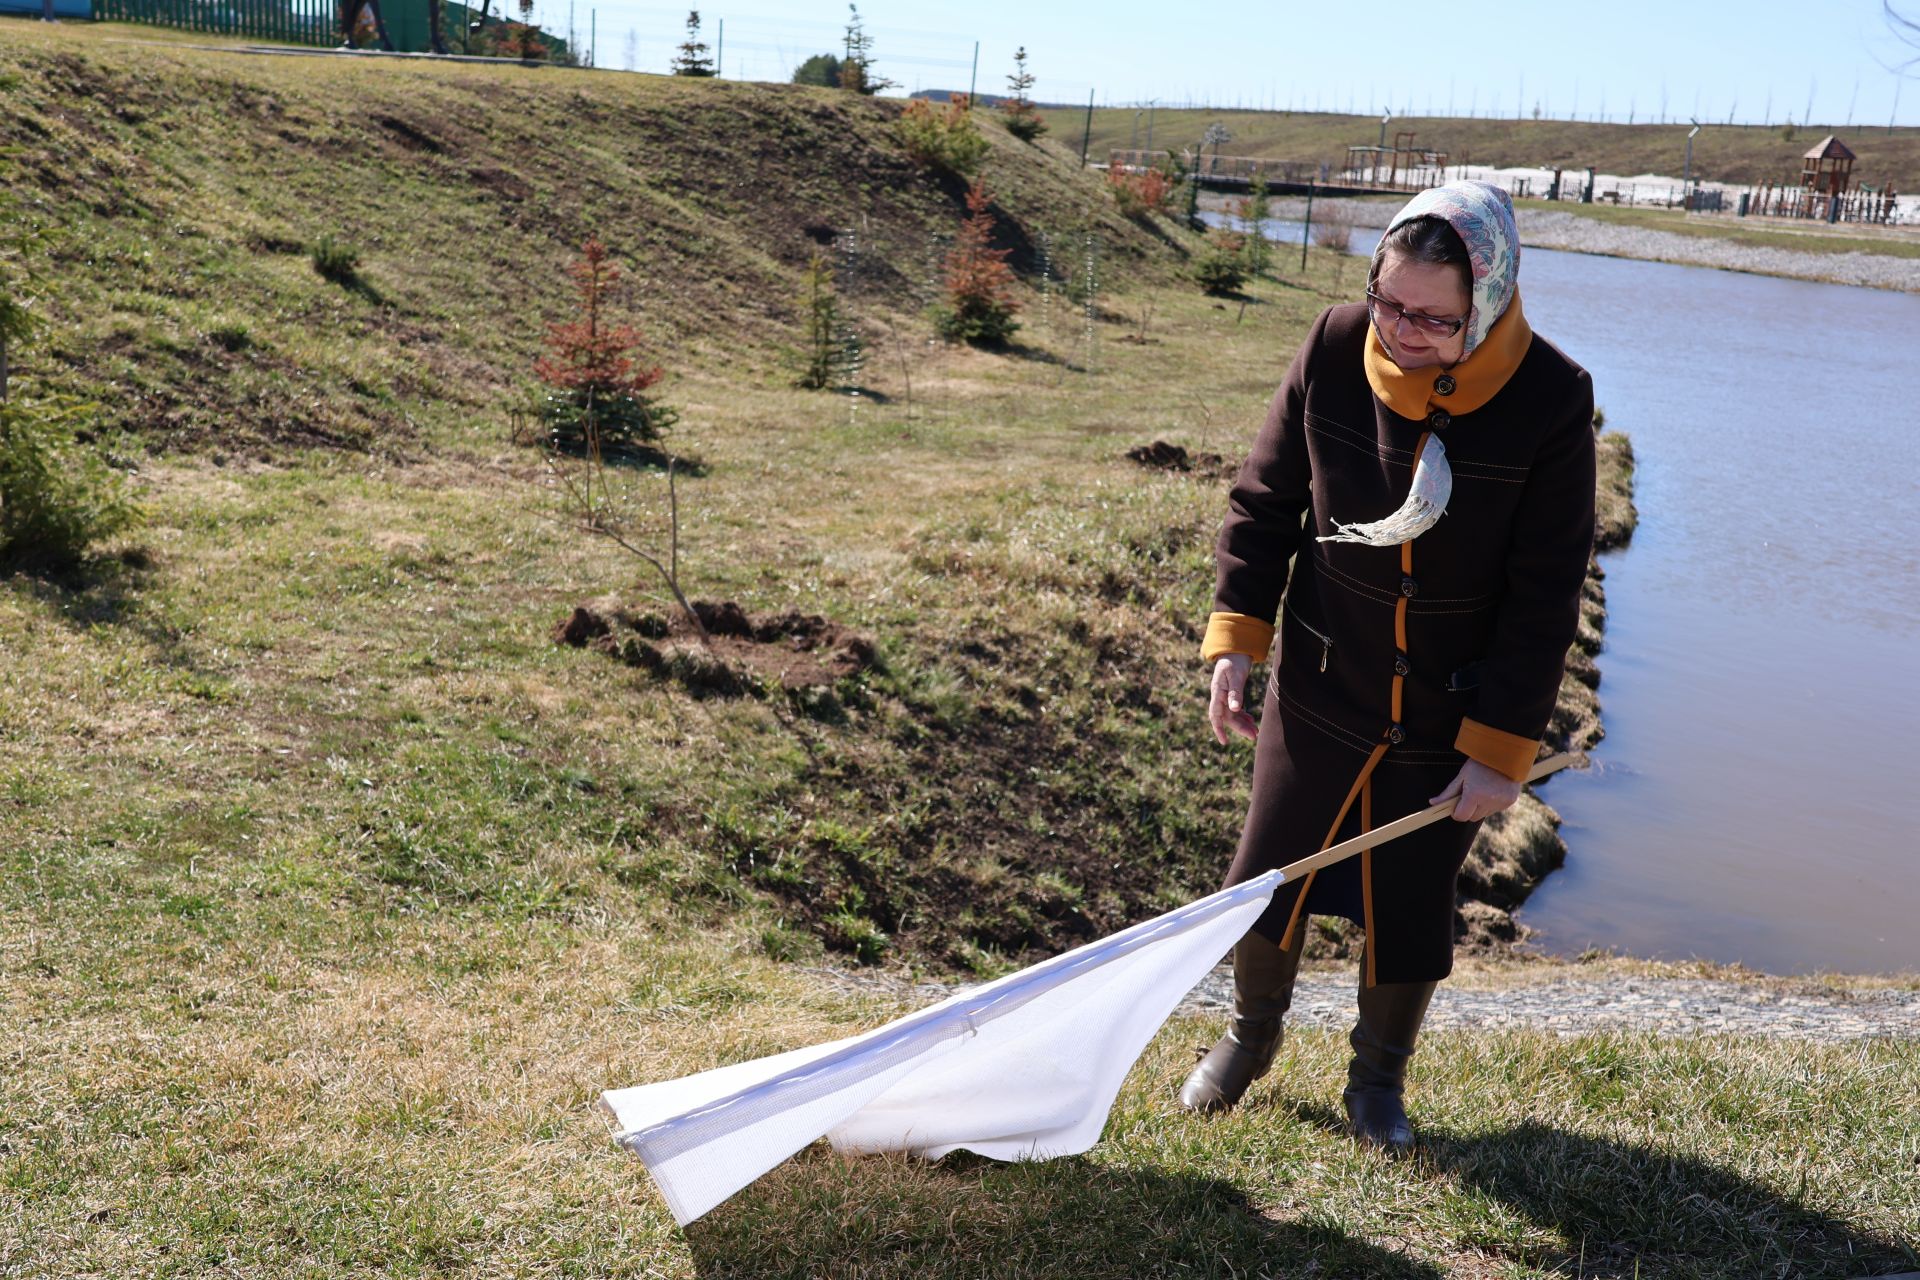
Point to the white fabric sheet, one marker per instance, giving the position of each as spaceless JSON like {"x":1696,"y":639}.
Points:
{"x":1022,"y":1068}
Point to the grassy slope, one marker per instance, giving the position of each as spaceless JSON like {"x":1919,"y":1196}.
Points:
{"x":1737,"y":154}
{"x":334,"y":890}
{"x":179,"y":191}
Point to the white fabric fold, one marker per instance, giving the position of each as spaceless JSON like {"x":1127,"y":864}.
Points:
{"x":1022,"y":1068}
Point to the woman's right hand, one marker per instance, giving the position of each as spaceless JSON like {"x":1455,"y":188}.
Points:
{"x":1227,"y":710}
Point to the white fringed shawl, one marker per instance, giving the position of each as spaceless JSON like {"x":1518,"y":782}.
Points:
{"x":1426,"y":503}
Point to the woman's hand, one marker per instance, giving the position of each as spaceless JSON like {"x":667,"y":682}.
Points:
{"x":1228,"y":709}
{"x":1482,"y":792}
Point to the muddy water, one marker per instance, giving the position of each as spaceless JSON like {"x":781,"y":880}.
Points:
{"x":1757,"y":798}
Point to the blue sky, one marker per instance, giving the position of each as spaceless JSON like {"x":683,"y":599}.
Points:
{"x":1762,"y":60}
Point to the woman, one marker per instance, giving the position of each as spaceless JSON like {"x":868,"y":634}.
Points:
{"x":1419,"y":654}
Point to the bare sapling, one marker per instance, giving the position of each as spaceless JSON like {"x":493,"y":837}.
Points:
{"x":1334,"y":230}
{"x":592,"y":367}
{"x":595,"y":508}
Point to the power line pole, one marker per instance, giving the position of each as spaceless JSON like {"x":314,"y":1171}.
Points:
{"x":973,"y":82}
{"x":720,"y":50}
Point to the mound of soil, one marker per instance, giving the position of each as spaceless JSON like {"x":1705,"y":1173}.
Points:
{"x":791,"y":650}
{"x":1162,"y":456}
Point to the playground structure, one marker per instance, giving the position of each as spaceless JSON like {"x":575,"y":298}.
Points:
{"x":1400,"y":167}
{"x":1826,"y":191}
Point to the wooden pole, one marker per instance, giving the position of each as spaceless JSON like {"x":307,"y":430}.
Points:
{"x":1306,"y":228}
{"x":1086,"y":139}
{"x":1401,"y":826}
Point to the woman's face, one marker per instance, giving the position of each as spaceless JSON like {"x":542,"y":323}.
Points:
{"x":1426,"y":289}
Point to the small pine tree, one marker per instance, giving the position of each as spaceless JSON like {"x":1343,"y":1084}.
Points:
{"x":856,"y":64}
{"x":1023,"y":119}
{"x":692,"y":60}
{"x":821,"y":305}
{"x":522,"y":39}
{"x":980,"y":302}
{"x":1254,"y":212}
{"x":599,"y":398}
{"x":1221,"y":267}
{"x":1142,"y":194}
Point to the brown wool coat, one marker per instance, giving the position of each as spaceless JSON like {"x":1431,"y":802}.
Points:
{"x":1395,"y":663}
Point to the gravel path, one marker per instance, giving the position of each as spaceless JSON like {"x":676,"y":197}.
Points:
{"x":1574,"y":1006}
{"x":1566,"y":1006}
{"x":1554,"y":229}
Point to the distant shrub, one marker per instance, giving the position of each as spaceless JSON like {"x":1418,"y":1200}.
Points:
{"x":1024,"y":122}
{"x":1222,"y":265}
{"x":822,"y":70}
{"x":336,"y":260}
{"x":942,"y":139}
{"x":1333,"y":227}
{"x":849,"y":931}
{"x":230,"y":337}
{"x":57,"y":498}
{"x":979,"y":304}
{"x":1139,"y":195}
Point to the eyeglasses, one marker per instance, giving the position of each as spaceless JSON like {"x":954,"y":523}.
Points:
{"x":1385,"y":313}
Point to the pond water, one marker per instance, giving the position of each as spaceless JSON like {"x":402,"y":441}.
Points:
{"x":1757,"y":798}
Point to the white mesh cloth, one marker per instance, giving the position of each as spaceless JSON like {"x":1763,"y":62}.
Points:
{"x":1022,"y":1068}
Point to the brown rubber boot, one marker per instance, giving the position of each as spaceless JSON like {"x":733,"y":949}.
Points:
{"x":1383,"y":1036}
{"x":1262,"y":991}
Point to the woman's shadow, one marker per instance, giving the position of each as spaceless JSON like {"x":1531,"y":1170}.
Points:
{"x":1623,"y":1209}
{"x":826,"y":1215}
{"x":1632,"y":1210}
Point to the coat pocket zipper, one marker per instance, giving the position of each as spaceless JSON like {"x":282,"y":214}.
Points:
{"x":1326,"y":642}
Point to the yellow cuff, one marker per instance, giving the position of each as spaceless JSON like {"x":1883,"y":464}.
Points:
{"x":1504,"y":752}
{"x":1236,"y":633}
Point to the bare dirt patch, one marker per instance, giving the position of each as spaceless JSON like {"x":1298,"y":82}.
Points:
{"x":792,"y":651}
{"x":1162,"y":456}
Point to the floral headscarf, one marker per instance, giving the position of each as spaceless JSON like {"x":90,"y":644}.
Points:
{"x":1482,"y":215}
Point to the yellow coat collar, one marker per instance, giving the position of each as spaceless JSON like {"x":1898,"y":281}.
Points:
{"x":1477,"y":379}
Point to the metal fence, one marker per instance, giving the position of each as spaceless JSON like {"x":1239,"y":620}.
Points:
{"x":286,"y":21}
